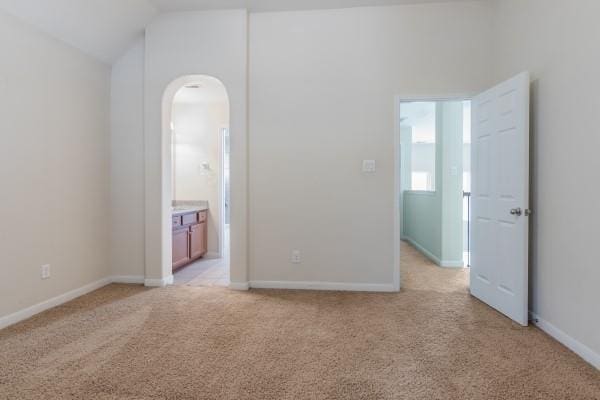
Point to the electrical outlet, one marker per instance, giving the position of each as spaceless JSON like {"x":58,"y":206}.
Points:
{"x":46,"y":271}
{"x":369,"y":166}
{"x":296,"y":257}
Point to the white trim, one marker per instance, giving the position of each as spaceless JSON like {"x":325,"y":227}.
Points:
{"x":423,"y":250}
{"x":167,"y":280}
{"x":212,"y":255}
{"x":397,"y":215}
{"x":434,"y":258}
{"x":242,"y":286}
{"x":573,"y":344}
{"x":221,"y":185}
{"x":436,"y":98}
{"x":29,"y":312}
{"x":158,"y":195}
{"x":132,"y":279}
{"x":452,"y":263}
{"x":337,"y":286}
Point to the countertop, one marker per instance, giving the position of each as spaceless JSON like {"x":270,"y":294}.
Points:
{"x":180,"y":210}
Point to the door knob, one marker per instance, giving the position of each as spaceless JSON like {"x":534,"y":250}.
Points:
{"x":516,"y":211}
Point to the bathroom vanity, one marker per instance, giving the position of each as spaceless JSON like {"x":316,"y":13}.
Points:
{"x":189,"y":235}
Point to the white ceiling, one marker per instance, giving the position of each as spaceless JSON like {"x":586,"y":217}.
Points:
{"x":103,"y":29}
{"x":106,"y":28}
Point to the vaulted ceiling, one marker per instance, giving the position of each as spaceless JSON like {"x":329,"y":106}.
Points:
{"x":101,"y":28}
{"x":106,"y":28}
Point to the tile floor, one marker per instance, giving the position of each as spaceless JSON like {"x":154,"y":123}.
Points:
{"x":206,"y":271}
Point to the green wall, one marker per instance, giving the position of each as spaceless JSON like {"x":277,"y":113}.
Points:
{"x":422,"y":222}
{"x":432,"y":221}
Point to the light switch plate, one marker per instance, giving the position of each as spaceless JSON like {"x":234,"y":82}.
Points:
{"x":46,"y":271}
{"x":369,"y":166}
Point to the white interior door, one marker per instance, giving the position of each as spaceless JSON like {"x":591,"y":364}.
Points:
{"x":500,"y":196}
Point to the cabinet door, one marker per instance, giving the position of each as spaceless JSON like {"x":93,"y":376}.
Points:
{"x":181,"y":248}
{"x":198,"y":240}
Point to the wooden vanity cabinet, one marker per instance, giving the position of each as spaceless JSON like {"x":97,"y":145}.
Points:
{"x":189,"y":238}
{"x":181,"y":248}
{"x":198,"y":240}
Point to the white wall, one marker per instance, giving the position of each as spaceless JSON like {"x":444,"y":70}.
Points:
{"x":322,"y":86}
{"x":557,"y":42}
{"x":54,"y":163}
{"x":177,"y":45}
{"x":127,"y":164}
{"x":197,"y":140}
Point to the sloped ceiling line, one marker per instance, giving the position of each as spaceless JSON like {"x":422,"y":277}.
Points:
{"x":105,"y":29}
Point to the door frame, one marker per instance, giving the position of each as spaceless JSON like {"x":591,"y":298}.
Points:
{"x":158,"y":191}
{"x":222,"y":188}
{"x":398,"y":206}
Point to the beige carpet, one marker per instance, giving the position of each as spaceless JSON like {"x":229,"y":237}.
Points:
{"x":432,"y":341}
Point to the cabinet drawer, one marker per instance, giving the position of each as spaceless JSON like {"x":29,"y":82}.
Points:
{"x":202,"y":216}
{"x":188,"y":219}
{"x":176,"y":221}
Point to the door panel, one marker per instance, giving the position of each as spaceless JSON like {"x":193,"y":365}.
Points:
{"x":181,"y":249}
{"x":198,"y":245}
{"x":500,"y":155}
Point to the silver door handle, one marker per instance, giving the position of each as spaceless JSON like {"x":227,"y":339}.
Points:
{"x":516,"y":211}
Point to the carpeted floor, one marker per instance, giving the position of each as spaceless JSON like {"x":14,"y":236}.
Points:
{"x":431,"y":341}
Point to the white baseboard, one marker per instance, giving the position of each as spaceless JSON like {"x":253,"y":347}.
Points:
{"x":574,"y":345}
{"x":452,"y":264}
{"x":73,"y":294}
{"x":130,"y":279}
{"x":239,"y":286}
{"x":212,"y":255}
{"x":50,"y":303}
{"x":336,"y":286}
{"x":167,"y":280}
{"x":433,"y":257}
{"x":423,"y":250}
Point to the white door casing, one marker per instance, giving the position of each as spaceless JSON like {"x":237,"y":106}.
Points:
{"x":500,"y":197}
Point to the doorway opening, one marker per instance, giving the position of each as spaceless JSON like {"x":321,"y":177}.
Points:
{"x":486,"y":194}
{"x":200,"y":201}
{"x":435,"y":178}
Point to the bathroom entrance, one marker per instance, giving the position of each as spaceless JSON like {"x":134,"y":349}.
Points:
{"x":200,"y":183}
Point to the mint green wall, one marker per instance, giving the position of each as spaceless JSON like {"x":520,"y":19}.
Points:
{"x":422,"y":221}
{"x":433,"y":220}
{"x":451,"y":148}
{"x":405,"y":167}
{"x":405,"y":157}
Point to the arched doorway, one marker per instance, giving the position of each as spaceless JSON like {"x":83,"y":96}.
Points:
{"x":196,"y":180}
